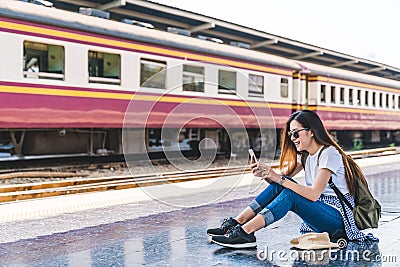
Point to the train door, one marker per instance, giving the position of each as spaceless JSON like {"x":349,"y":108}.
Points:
{"x":296,"y":89}
{"x":313,"y":92}
{"x":300,"y":91}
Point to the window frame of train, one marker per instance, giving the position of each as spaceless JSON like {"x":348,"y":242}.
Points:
{"x":50,"y":60}
{"x":374,"y":99}
{"x":227,"y":82}
{"x":387,"y":97}
{"x":358,"y":97}
{"x":333,"y":94}
{"x":104,"y":67}
{"x":398,"y":102}
{"x":366,"y":98}
{"x":323,"y":93}
{"x":153,"y":73}
{"x":256,"y":85}
{"x":193,"y":78}
{"x":284,"y":87}
{"x":351,"y":97}
{"x":393,"y":101}
{"x":342,"y":94}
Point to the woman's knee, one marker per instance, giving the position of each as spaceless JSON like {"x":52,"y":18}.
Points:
{"x":287,"y":192}
{"x":276,"y":187}
{"x":269,"y":194}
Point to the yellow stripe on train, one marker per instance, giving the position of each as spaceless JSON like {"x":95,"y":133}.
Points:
{"x":139,"y":47}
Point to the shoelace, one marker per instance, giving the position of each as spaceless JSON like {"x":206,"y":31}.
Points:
{"x":225,"y":225}
{"x":229,"y":230}
{"x":233,"y":232}
{"x":224,"y":222}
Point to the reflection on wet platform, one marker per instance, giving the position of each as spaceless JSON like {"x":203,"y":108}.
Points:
{"x":178,"y":238}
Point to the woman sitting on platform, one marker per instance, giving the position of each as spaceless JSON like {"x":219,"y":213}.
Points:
{"x":316,"y":203}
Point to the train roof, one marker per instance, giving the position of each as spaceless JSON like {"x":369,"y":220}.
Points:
{"x":162,"y":16}
{"x":324,"y":71}
{"x":66,"y":19}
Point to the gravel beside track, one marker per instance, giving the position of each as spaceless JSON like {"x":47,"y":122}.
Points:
{"x":84,"y":171}
{"x":106,"y":170}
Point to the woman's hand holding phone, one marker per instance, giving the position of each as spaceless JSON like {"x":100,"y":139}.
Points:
{"x":259,"y":170}
{"x":253,"y":158}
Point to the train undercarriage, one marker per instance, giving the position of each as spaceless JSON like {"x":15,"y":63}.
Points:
{"x":153,"y":141}
{"x":36,"y":142}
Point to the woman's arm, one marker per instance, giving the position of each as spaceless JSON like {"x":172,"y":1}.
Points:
{"x":261,"y":170}
{"x":312,"y":193}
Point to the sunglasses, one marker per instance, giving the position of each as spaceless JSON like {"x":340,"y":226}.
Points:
{"x":295,"y":133}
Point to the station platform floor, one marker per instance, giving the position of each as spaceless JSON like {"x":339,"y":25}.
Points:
{"x":166,"y":226}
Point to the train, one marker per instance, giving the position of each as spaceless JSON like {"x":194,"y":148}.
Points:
{"x":77,"y":84}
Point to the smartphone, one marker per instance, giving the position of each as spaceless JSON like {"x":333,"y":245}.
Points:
{"x":253,"y":158}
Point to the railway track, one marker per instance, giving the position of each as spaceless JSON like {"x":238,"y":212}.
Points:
{"x":9,"y":193}
{"x":56,"y":188}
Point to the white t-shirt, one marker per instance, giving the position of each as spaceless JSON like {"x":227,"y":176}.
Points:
{"x":332,"y":160}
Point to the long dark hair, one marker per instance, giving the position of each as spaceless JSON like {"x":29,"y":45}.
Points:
{"x":309,"y":119}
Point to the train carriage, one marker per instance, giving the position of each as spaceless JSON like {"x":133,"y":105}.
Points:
{"x":69,"y":80}
{"x":357,"y":108}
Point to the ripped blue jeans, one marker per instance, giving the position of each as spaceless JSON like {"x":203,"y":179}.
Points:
{"x":275,"y":201}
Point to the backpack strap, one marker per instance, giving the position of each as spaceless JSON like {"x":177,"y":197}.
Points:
{"x":339,"y":194}
{"x":319,"y":154}
{"x":304,"y":156}
{"x":341,"y":198}
{"x":334,"y":187}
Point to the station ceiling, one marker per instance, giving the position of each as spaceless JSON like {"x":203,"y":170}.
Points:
{"x":162,"y":17}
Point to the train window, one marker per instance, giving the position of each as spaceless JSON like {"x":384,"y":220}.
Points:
{"x":333,"y":94}
{"x":152,"y":73}
{"x":358,"y":100}
{"x":104,"y":68}
{"x":398,"y":102}
{"x":351,"y":96}
{"x":256,"y":85}
{"x":366,"y":98}
{"x":43,"y":61}
{"x":193,"y":78}
{"x":342,"y":95}
{"x":373,"y":99}
{"x":380,"y":100}
{"x":393,"y":101}
{"x":323,"y":93}
{"x":387,"y":101}
{"x":284,"y":87}
{"x":226,"y":82}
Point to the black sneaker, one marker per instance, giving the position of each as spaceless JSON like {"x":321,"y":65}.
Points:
{"x":236,"y":238}
{"x":226,"y":225}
